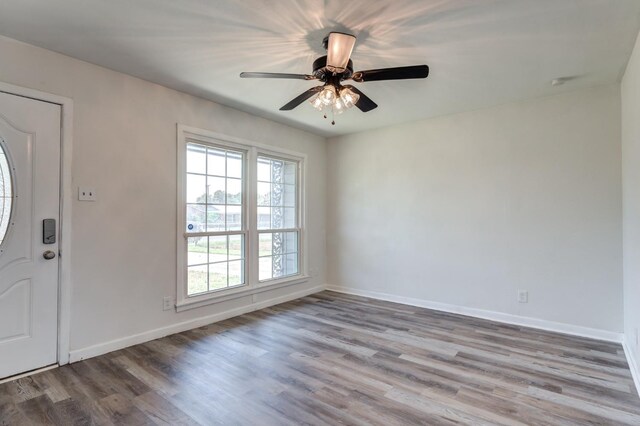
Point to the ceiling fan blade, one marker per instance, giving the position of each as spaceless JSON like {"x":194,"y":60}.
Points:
{"x":365,"y":104}
{"x":301,"y":98}
{"x":397,"y":73}
{"x":339,"y":47}
{"x":276,"y":75}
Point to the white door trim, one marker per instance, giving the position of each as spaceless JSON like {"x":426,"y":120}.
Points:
{"x":66,"y":200}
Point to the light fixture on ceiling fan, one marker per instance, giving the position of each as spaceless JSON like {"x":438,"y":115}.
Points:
{"x":332,"y":70}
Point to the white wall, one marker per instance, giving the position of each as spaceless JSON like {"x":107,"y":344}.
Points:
{"x":630,"y":96}
{"x":124,"y":245}
{"x":466,"y":209}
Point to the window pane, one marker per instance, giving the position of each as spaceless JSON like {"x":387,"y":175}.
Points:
{"x":236,"y":272}
{"x":276,"y":194}
{"x":290,"y":172}
{"x":264,"y":217}
{"x":264,"y":194}
{"x":277,"y":218}
{"x":197,"y":251}
{"x":279,"y":193}
{"x":218,"y":273}
{"x":196,"y":159}
{"x":278,"y":253}
{"x":277,"y":267}
{"x":217,"y":248}
{"x":277,"y":243}
{"x":264,"y":268}
{"x":236,"y":247}
{"x":290,"y":242}
{"x":215,"y":218}
{"x":217,"y":276}
{"x":289,"y":220}
{"x":6,"y":195}
{"x":234,"y":191}
{"x":196,"y":188}
{"x":291,"y":264}
{"x":264,"y":170}
{"x":277,"y":171}
{"x":234,"y":165}
{"x":196,"y":218}
{"x":197,"y":279}
{"x":234,"y":218}
{"x":289,"y":196}
{"x":216,"y":162}
{"x":264,"y":243}
{"x":216,"y":187}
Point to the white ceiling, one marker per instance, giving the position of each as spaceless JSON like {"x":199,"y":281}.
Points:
{"x":481,"y":52}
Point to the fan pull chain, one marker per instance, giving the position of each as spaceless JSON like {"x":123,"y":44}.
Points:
{"x":333,"y":118}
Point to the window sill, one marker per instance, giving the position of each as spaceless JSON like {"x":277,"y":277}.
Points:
{"x":236,"y":293}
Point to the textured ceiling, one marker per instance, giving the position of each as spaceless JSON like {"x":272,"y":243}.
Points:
{"x":481,"y":52}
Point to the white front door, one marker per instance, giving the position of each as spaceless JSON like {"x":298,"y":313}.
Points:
{"x":29,"y":193}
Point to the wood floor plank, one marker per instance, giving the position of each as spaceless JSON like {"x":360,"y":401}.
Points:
{"x":161,"y":411}
{"x":40,"y":410}
{"x":122,"y":411}
{"x":52,"y":386}
{"x":9,"y":412}
{"x":330,"y":359}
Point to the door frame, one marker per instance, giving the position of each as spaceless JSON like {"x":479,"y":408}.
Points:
{"x":66,"y":201}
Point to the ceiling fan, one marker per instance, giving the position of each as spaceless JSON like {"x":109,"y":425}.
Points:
{"x":332,"y":70}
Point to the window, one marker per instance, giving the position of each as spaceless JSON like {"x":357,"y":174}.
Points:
{"x":277,"y":218}
{"x":240,"y":225}
{"x":215,"y":226}
{"x":6,"y":196}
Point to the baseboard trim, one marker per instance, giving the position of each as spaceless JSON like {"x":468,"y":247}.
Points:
{"x":114,"y":345}
{"x":574,"y":330}
{"x":631,"y":360}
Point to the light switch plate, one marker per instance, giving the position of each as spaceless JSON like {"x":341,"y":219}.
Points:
{"x":86,"y":193}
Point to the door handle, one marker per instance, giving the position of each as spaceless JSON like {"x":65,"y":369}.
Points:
{"x":49,"y":254}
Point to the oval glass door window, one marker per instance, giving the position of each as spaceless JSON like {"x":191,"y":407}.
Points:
{"x":6,"y":194}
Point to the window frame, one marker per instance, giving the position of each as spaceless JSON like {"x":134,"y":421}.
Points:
{"x":252,"y":150}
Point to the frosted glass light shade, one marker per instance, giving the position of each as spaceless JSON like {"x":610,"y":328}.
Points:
{"x":349,"y":97}
{"x":328,"y":95}
{"x":316,"y":102}
{"x":339,"y":50}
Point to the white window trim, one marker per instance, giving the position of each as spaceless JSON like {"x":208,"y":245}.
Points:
{"x":252,"y":151}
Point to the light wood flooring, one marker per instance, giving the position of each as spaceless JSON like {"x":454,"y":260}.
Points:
{"x":337,"y":359}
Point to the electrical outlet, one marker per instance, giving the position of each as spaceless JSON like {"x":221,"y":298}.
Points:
{"x":86,"y":193}
{"x":523,"y":296}
{"x":167,"y":304}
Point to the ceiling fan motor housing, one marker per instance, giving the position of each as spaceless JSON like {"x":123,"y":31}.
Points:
{"x":322,"y":73}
